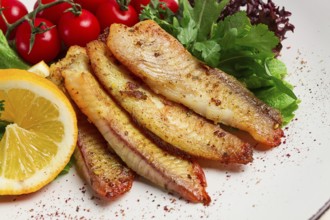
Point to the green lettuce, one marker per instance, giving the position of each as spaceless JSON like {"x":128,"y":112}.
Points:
{"x":9,"y":58}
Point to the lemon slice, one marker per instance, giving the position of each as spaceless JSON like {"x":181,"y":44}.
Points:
{"x":41,"y":136}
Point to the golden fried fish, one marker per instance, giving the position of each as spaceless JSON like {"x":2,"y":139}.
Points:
{"x":173,"y":123}
{"x":169,"y":69}
{"x":137,"y":151}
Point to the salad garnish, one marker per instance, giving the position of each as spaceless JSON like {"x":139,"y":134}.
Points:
{"x":233,"y":44}
{"x":276,"y":18}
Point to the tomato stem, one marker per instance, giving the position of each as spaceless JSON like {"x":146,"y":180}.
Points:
{"x":75,"y":9}
{"x":41,"y":28}
{"x":3,"y":17}
{"x":32,"y":15}
{"x":123,"y":4}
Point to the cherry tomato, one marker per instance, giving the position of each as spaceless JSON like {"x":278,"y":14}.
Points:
{"x":171,"y":4}
{"x":110,"y":12}
{"x":53,"y":13}
{"x":78,"y":29}
{"x":13,"y":10}
{"x":46,"y":46}
{"x":90,"y":5}
{"x":138,"y":4}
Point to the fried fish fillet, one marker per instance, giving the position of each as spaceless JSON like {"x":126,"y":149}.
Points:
{"x":172,"y":122}
{"x":138,"y":152}
{"x":101,"y":168}
{"x":169,"y":69}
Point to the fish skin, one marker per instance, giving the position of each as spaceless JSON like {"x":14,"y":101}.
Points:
{"x":101,"y":168}
{"x":138,"y":152}
{"x":104,"y":171}
{"x":169,"y":69}
{"x":171,"y":122}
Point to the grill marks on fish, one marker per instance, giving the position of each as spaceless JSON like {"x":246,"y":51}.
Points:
{"x":169,"y":124}
{"x":169,"y":69}
{"x":138,"y":152}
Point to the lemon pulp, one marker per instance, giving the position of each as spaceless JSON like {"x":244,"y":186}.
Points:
{"x":41,"y":137}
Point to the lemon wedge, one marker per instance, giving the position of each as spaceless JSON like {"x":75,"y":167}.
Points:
{"x":41,"y":136}
{"x":41,"y":69}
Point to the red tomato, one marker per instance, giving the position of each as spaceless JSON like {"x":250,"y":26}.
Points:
{"x":110,"y":12}
{"x":13,"y":11}
{"x":138,"y":4}
{"x":46,"y":46}
{"x":90,"y":5}
{"x":52,"y":14}
{"x":171,"y":4}
{"x":78,"y":29}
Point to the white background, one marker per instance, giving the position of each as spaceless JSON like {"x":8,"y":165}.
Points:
{"x":291,"y":181}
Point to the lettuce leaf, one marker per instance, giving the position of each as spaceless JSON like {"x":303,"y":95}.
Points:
{"x":9,"y":58}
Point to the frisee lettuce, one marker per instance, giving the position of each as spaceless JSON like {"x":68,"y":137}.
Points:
{"x":233,"y":45}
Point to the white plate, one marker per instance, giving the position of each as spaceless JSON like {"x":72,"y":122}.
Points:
{"x":291,"y":181}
